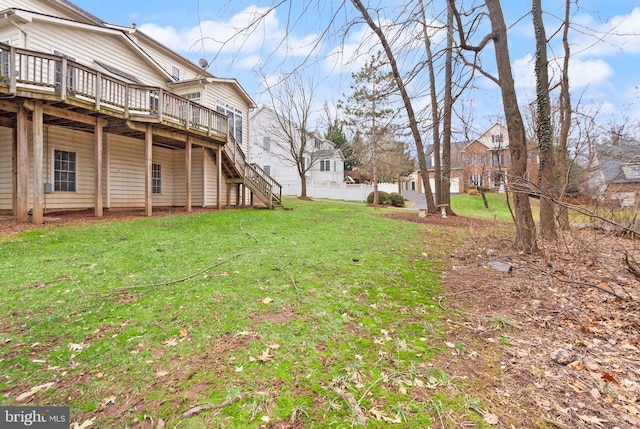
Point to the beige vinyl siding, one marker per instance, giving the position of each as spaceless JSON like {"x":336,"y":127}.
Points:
{"x":166,"y":60}
{"x":85,"y":46}
{"x":197,"y":176}
{"x":11,"y":36}
{"x":164,"y":157}
{"x":44,"y":7}
{"x":211,"y":181}
{"x":179,"y":185}
{"x":83,"y":144}
{"x":126,"y":173}
{"x":6,"y":168}
{"x":227,"y":93}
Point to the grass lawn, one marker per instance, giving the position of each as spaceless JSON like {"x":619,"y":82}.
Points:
{"x":321,"y":316}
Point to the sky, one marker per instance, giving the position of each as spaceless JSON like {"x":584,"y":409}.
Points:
{"x":605,"y":45}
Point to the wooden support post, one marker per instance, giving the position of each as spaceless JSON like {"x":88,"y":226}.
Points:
{"x":244,"y":195}
{"x":228,"y":195}
{"x":219,"y":178}
{"x":187,"y":158}
{"x":22,"y":167}
{"x":148,"y":151}
{"x":37,"y":213}
{"x":98,"y":135}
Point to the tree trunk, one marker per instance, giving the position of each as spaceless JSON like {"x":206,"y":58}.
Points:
{"x":303,"y":185}
{"x":448,"y":109}
{"x":525,"y":227}
{"x":435,"y":113}
{"x":413,"y":123}
{"x":543,"y":127}
{"x":565,"y":122}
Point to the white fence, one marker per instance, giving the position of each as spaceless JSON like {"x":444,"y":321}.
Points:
{"x":340,"y":191}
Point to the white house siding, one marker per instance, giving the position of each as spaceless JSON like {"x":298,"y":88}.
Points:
{"x":11,"y":36}
{"x":6,"y":181}
{"x":85,"y":46}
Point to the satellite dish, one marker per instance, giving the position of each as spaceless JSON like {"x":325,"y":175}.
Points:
{"x":203,"y":63}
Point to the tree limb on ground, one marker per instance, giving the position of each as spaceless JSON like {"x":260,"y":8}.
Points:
{"x":353,"y":405}
{"x":248,"y":234}
{"x":200,"y":408}
{"x":183,"y":279}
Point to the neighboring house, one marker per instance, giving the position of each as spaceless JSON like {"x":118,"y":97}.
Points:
{"x":102,"y":116}
{"x":270,"y":150}
{"x":484,"y":162}
{"x":614,"y":175}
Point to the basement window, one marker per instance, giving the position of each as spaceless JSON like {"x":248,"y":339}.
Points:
{"x":156,"y":179}
{"x":64,"y":170}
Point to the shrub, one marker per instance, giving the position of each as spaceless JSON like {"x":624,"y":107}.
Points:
{"x":396,"y":200}
{"x":383,"y":198}
{"x":473,"y":191}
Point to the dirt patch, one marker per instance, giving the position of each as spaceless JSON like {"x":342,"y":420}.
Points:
{"x":437,"y":219}
{"x":554,"y":341}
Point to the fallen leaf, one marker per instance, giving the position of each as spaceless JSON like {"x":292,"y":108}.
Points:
{"x":33,"y":391}
{"x":161,"y":424}
{"x":171,"y":342}
{"x":100,"y":375}
{"x":108,"y":400}
{"x":595,"y":393}
{"x":592,"y":419}
{"x":77,"y":347}
{"x":267,"y":300}
{"x":162,"y":373}
{"x":492,"y":419}
{"x":239,"y":369}
{"x":274,"y":346}
{"x":183,"y":333}
{"x":609,"y":377}
{"x":265,"y":356}
{"x":265,"y":419}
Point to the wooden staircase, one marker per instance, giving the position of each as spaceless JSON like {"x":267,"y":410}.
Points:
{"x":238,"y":171}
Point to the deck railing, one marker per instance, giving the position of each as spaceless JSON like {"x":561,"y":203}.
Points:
{"x":54,"y":76}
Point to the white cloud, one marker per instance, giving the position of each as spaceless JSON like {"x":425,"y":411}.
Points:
{"x":621,"y":33}
{"x":252,"y":31}
{"x":593,"y":73}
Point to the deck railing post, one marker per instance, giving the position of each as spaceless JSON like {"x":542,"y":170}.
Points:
{"x":13,"y":71}
{"x":63,"y":79}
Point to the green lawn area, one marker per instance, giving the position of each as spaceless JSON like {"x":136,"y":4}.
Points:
{"x":320,"y":316}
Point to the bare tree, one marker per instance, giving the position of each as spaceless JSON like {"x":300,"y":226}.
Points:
{"x":525,"y":239}
{"x":406,"y":99}
{"x":291,"y":101}
{"x":565,"y":111}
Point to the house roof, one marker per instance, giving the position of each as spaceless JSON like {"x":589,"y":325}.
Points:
{"x":612,"y":161}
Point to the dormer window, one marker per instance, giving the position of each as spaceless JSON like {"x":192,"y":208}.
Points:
{"x":497,"y":138}
{"x":175,"y":73}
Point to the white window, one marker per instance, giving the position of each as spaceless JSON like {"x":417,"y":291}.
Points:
{"x":175,"y":72}
{"x":317,"y":144}
{"x":154,"y":101}
{"x":267,"y":169}
{"x":193,"y":96}
{"x":266,"y":144}
{"x":235,"y":119}
{"x":497,"y":138}
{"x":476,"y":180}
{"x":156,"y":179}
{"x":64,"y":170}
{"x":325,"y":165}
